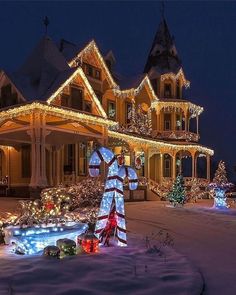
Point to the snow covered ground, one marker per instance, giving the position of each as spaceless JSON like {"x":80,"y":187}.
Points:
{"x":205,"y":237}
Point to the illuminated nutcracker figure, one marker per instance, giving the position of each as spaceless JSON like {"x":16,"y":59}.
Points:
{"x":113,"y":191}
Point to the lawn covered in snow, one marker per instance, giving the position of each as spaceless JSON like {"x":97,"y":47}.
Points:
{"x":203,"y":254}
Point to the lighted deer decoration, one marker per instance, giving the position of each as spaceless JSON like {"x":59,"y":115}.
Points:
{"x":113,"y":190}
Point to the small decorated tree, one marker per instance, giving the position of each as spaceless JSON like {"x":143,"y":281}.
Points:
{"x":220,"y":185}
{"x":177,"y":195}
{"x":195,"y":191}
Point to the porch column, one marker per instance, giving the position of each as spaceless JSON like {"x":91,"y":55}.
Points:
{"x":208,"y":167}
{"x":50,"y":166}
{"x":193,"y":165}
{"x":58,"y":167}
{"x":146,"y":164}
{"x":38,"y":155}
{"x":186,"y":121}
{"x":174,"y":166}
{"x":161,"y":167}
{"x":43,"y":153}
{"x":196,"y":166}
{"x":197,"y":118}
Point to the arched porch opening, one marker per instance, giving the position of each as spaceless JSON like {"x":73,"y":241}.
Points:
{"x":184,"y":163}
{"x":167,"y":165}
{"x":201,"y":165}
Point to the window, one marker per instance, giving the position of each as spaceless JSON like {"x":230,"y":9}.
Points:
{"x":26,"y":161}
{"x":128,"y":113}
{"x":167,"y":166}
{"x":89,"y":70}
{"x":97,"y":74}
{"x":87,"y":106}
{"x":92,"y":71}
{"x":178,"y":125}
{"x":167,"y":90}
{"x":111,"y":110}
{"x":76,"y":98}
{"x":82,"y":158}
{"x":65,"y":100}
{"x":167,"y":122}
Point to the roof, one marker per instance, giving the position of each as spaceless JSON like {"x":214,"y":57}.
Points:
{"x":163,"y":56}
{"x":42,"y":71}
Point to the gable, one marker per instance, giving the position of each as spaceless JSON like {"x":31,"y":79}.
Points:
{"x":9,"y":93}
{"x":91,"y":55}
{"x":71,"y":91}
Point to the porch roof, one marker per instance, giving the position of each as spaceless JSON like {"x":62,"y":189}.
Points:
{"x":152,"y":143}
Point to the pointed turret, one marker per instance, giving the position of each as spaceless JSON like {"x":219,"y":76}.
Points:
{"x":163,"y":56}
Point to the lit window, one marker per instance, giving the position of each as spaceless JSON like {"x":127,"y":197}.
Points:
{"x":97,"y":74}
{"x":112,"y":110}
{"x":167,"y":122}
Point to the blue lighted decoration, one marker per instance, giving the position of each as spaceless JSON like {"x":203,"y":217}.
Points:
{"x":113,"y":190}
{"x":220,"y":199}
{"x":34,"y":239}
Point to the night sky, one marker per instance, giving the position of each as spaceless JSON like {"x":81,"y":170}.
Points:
{"x":204,"y":35}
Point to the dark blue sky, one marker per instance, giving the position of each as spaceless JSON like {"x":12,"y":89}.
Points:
{"x":204,"y":35}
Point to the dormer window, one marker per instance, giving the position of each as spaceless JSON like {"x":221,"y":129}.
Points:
{"x":167,"y":90}
{"x":92,"y":71}
{"x":111,"y":110}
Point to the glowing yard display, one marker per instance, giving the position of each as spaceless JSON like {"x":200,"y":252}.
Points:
{"x":220,"y":185}
{"x":34,"y":239}
{"x":113,"y":190}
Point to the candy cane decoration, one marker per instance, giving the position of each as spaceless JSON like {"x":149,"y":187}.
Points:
{"x":123,"y":173}
{"x":106,"y":155}
{"x":113,"y":188}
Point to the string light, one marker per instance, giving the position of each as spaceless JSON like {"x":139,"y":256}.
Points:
{"x":79,"y":72}
{"x":54,"y":110}
{"x":33,"y":240}
{"x":176,"y":77}
{"x":132,"y":92}
{"x":158,"y":144}
{"x":93,"y":47}
{"x":113,"y":191}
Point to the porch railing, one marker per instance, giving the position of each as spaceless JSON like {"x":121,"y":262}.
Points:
{"x":176,"y":134}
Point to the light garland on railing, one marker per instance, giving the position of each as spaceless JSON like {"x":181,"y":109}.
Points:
{"x":80,"y":72}
{"x":93,"y":47}
{"x":67,"y":114}
{"x":177,"y":106}
{"x":176,"y":77}
{"x":158,"y":144}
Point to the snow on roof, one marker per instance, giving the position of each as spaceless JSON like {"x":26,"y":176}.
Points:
{"x":42,"y":71}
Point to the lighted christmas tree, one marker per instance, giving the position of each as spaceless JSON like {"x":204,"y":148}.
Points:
{"x":195,"y":191}
{"x":220,"y":185}
{"x":177,"y":195}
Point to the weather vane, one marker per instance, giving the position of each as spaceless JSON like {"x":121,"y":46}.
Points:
{"x":46,"y":23}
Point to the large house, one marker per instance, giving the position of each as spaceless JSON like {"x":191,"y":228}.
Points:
{"x":64,"y":101}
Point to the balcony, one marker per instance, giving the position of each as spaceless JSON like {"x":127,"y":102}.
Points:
{"x":176,"y":135}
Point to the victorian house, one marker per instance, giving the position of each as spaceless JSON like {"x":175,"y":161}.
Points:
{"x":64,"y":101}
